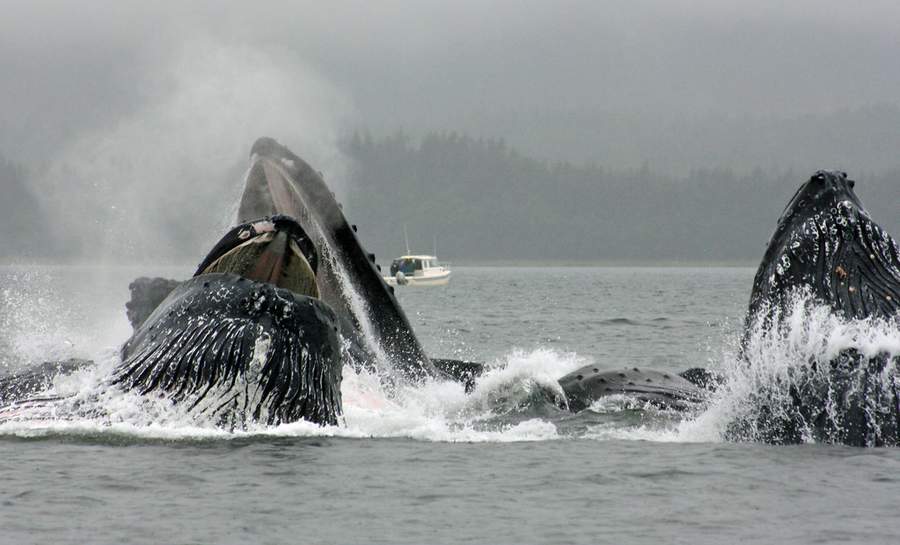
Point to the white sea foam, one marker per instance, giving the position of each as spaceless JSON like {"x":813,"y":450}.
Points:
{"x":781,"y":356}
{"x":434,"y":411}
{"x":501,"y":408}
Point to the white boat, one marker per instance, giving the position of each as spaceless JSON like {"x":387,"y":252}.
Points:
{"x":418,"y":270}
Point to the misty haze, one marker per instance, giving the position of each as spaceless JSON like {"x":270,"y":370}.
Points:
{"x":528,"y":132}
{"x":431,"y":271}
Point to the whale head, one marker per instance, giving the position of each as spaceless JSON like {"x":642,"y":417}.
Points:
{"x":827,"y":246}
{"x":279,"y":182}
{"x":247,"y":339}
{"x":825,"y":189}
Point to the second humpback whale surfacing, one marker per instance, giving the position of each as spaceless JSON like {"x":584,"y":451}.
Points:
{"x":826,"y":251}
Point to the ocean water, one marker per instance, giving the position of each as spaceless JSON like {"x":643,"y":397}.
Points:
{"x":432,"y":464}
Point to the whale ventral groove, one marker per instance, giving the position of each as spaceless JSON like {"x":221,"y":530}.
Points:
{"x":240,"y":351}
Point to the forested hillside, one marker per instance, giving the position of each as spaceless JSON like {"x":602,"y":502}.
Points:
{"x":483,"y":201}
{"x":486,"y":202}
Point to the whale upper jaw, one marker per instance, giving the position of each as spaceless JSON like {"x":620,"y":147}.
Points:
{"x":279,"y":182}
{"x":824,"y":190}
{"x":826,"y":251}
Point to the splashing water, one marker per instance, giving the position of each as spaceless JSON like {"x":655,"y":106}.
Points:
{"x":41,"y":316}
{"x":435,"y":411}
{"x":41,"y":320}
{"x":357,"y":304}
{"x":119,"y":191}
{"x":806,"y":375}
{"x":517,"y":399}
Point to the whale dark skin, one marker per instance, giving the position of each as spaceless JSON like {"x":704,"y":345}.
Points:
{"x":827,"y":249}
{"x":588,"y":384}
{"x":225,"y":343}
{"x":826,"y":242}
{"x":246,"y":340}
{"x":278,"y":181}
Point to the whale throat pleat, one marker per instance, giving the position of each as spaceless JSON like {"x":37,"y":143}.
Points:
{"x":259,"y":354}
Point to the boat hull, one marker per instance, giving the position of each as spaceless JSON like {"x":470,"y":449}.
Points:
{"x":434,"y":280}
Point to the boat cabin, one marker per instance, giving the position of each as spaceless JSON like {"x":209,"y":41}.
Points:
{"x":410,"y":264}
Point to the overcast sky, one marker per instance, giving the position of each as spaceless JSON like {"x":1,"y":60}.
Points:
{"x":75,"y":66}
{"x":114,"y":105}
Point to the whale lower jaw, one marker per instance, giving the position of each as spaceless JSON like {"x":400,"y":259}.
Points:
{"x":235,"y":351}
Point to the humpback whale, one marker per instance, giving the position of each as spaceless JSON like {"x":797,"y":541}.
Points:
{"x":826,"y":242}
{"x":670,"y":390}
{"x":262,"y":330}
{"x":247,"y":338}
{"x":277,"y":307}
{"x":827,"y":250}
{"x":369,"y":317}
{"x":280,"y":182}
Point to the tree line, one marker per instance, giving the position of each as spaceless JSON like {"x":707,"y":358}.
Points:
{"x":481,"y":200}
{"x":484,"y":201}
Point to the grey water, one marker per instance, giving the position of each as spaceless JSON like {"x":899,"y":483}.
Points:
{"x":417,"y":473}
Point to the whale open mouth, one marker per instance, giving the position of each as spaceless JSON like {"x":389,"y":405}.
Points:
{"x":349,"y":280}
{"x":260,"y":333}
{"x":247,"y":339}
{"x":271,"y":250}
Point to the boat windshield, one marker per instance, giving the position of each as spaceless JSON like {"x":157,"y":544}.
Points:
{"x":406,"y":266}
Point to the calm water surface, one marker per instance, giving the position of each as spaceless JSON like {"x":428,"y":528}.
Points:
{"x":424,"y":470}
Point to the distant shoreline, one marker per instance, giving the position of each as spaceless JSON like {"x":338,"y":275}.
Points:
{"x":497,"y":263}
{"x":600,"y":263}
